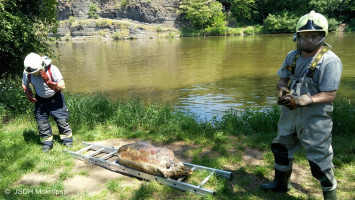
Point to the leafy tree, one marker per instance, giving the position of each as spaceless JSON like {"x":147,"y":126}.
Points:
{"x":244,"y":11}
{"x":218,"y":20}
{"x":284,"y":23}
{"x":202,"y":13}
{"x":24,"y":27}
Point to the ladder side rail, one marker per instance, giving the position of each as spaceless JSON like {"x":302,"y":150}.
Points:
{"x":225,"y":174}
{"x":77,"y":155}
{"x":170,"y":182}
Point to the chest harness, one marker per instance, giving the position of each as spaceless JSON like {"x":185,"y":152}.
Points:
{"x":310,"y":70}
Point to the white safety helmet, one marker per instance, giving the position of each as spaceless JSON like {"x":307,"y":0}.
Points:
{"x":34,"y":62}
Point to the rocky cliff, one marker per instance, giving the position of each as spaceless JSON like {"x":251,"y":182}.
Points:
{"x":118,"y":19}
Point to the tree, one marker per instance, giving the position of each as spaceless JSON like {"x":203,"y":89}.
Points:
{"x":24,"y":28}
{"x":244,"y":11}
{"x":202,"y":13}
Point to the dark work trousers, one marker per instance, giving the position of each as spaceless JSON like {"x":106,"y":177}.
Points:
{"x":55,"y":107}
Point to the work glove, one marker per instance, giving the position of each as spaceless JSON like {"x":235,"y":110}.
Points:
{"x":283,"y":90}
{"x":52,"y":85}
{"x":29,"y":95}
{"x":293,"y":102}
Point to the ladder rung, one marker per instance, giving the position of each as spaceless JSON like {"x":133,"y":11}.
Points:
{"x":206,"y":179}
{"x":96,"y":152}
{"x":108,"y":155}
{"x":181,"y":178}
{"x":84,"y":149}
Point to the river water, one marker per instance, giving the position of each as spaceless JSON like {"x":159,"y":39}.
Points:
{"x":205,"y":75}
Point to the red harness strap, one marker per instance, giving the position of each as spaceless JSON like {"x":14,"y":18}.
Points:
{"x":50,"y":75}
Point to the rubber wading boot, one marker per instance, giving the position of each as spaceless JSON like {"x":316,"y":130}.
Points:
{"x":330,"y":195}
{"x":281,"y":182}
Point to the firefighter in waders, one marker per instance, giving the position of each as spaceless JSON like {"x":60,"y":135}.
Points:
{"x":49,"y":100}
{"x":309,"y":79}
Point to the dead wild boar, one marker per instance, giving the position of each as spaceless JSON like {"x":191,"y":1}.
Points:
{"x":145,"y":157}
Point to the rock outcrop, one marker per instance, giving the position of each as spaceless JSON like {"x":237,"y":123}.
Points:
{"x":135,"y":15}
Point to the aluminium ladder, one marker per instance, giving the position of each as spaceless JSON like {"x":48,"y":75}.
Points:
{"x":100,"y":155}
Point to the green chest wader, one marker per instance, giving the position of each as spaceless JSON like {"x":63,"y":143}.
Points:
{"x":309,"y":127}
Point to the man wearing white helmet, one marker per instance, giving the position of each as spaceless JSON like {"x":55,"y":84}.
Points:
{"x":49,"y":100}
{"x":309,"y":79}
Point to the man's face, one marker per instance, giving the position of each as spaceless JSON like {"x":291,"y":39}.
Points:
{"x":309,"y":41}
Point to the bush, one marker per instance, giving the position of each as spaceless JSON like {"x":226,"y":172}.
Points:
{"x":234,"y":31}
{"x":93,"y":9}
{"x":284,"y":23}
{"x":12,"y":99}
{"x":333,"y":24}
{"x":203,"y":14}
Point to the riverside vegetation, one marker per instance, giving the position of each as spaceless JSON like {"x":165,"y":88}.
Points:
{"x":95,"y":117}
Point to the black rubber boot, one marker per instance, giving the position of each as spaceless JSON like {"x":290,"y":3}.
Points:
{"x":281,"y":182}
{"x":330,"y":195}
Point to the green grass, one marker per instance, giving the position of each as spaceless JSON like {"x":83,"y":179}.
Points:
{"x":218,"y":144}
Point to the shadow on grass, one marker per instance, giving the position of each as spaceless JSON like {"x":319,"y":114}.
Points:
{"x":245,"y":184}
{"x":31,"y":136}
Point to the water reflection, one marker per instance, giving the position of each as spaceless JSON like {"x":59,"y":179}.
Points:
{"x":205,"y":75}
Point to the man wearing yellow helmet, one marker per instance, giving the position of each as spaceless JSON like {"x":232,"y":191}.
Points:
{"x":49,"y":100}
{"x":309,"y":79}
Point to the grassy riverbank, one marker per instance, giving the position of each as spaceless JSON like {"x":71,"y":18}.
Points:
{"x":221,"y":144}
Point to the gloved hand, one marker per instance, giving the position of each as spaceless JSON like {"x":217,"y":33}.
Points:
{"x":29,"y":95}
{"x":52,"y":85}
{"x":292,"y":102}
{"x":283,"y":90}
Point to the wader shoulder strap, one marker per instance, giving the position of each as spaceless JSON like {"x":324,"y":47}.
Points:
{"x":292,"y":67}
{"x":312,"y":67}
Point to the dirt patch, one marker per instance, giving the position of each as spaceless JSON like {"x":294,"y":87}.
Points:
{"x":37,"y":179}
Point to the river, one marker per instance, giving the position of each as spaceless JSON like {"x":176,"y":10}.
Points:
{"x":205,"y":75}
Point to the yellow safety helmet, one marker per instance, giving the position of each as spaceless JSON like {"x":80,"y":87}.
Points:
{"x":34,"y":62}
{"x":312,"y":22}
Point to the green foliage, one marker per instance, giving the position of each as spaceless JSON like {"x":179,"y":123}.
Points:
{"x":280,"y":14}
{"x":24,"y":29}
{"x":93,"y":9}
{"x":343,"y":117}
{"x":284,"y":23}
{"x":244,"y":12}
{"x":333,"y":24}
{"x":250,"y":121}
{"x":124,"y":3}
{"x":12,"y":98}
{"x":71,"y":19}
{"x":203,"y":14}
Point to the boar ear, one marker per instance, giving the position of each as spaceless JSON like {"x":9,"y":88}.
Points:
{"x":168,"y":165}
